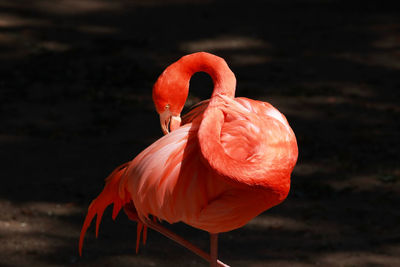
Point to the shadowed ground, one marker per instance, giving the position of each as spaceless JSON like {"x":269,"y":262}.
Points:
{"x":75,"y":102}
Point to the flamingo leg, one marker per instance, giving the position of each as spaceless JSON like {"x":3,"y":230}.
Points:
{"x":171,"y":235}
{"x":213,"y":250}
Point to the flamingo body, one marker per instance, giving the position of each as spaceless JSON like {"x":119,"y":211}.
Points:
{"x":170,"y":179}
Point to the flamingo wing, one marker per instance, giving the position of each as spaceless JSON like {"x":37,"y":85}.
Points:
{"x":171,"y":181}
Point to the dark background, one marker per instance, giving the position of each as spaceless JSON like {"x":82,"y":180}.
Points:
{"x":75,"y":102}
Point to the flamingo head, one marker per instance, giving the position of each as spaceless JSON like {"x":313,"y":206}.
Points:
{"x":169,"y":96}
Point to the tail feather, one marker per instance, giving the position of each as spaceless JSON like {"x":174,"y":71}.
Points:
{"x":109,"y":195}
{"x":138,"y":232}
{"x":132,"y":214}
{"x":144,"y":234}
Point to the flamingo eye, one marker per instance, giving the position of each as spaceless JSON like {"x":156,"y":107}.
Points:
{"x":167,"y":106}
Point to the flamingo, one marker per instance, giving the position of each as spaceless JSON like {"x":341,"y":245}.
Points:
{"x":220,"y":165}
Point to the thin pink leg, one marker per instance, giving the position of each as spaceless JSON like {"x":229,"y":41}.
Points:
{"x":214,"y":250}
{"x":171,"y":235}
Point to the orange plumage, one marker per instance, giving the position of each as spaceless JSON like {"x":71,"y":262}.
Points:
{"x":227,"y":161}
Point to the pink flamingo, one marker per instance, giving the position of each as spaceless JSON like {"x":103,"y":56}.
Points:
{"x":227,"y":161}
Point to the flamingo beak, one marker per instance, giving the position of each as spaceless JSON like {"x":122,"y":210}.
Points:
{"x":175,"y":123}
{"x":169,"y":122}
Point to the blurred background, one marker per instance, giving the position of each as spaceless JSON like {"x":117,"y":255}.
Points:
{"x":75,"y":102}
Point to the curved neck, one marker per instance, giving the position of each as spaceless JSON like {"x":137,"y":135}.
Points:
{"x":223,"y":78}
